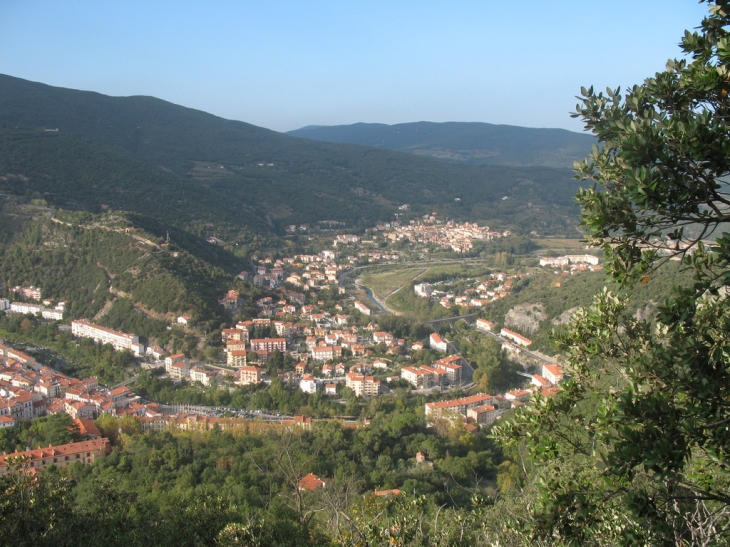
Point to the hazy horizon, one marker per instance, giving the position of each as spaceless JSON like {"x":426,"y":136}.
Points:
{"x":286,"y":65}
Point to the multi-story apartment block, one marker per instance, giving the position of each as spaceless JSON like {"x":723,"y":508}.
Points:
{"x":53,"y":315}
{"x":202,"y":375}
{"x":419,"y":377}
{"x":363,"y":386}
{"x":178,"y":370}
{"x":250,"y":375}
{"x":86,"y":329}
{"x":483,"y":415}
{"x":19,"y":407}
{"x":235,"y":345}
{"x":268,"y":344}
{"x":552,"y":373}
{"x":451,"y":366}
{"x":61,"y":455}
{"x":22,"y":307}
{"x":362,"y":308}
{"x":170,"y":359}
{"x":237,"y":357}
{"x":234,"y":334}
{"x":458,"y":406}
{"x":325,"y":353}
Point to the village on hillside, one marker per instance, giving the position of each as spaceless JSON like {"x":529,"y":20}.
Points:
{"x":334,"y":345}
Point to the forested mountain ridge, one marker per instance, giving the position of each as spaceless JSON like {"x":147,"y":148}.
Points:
{"x":463,"y":142}
{"x":249,"y":177}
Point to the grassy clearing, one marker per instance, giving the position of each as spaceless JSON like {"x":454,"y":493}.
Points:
{"x":384,"y":283}
{"x":564,"y":246}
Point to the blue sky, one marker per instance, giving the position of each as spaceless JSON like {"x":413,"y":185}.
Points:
{"x":286,"y":64}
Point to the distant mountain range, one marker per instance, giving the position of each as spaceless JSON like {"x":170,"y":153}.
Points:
{"x":459,"y":142}
{"x":214,"y":177}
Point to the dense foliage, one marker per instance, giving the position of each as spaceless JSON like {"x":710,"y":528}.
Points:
{"x":201,"y":488}
{"x":635,"y":448}
{"x":90,"y":260}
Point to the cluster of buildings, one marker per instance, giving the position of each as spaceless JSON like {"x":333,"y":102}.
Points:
{"x":511,"y":341}
{"x":572,"y":263}
{"x":447,"y":370}
{"x":29,"y":389}
{"x":28,"y":293}
{"x":482,"y":409}
{"x":47,"y":309}
{"x":358,"y":378}
{"x":481,"y":293}
{"x":455,"y":236}
{"x":437,"y":374}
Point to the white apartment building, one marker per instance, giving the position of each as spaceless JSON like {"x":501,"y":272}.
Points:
{"x":86,"y":329}
{"x":363,"y":386}
{"x":22,"y":307}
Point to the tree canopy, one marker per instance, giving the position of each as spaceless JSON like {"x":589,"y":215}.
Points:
{"x":638,"y":440}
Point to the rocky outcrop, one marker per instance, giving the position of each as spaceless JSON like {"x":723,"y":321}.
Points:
{"x":564,"y":317}
{"x":525,"y":318}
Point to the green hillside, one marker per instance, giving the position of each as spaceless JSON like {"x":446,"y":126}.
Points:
{"x":101,"y":264}
{"x":140,"y":153}
{"x":462,"y":142}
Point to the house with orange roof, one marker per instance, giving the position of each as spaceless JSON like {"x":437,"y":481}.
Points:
{"x":358,"y":350}
{"x":86,"y":428}
{"x":80,"y":409}
{"x":539,"y":381}
{"x":515,"y":337}
{"x":121,"y":396}
{"x":437,"y":342}
{"x":517,"y":395}
{"x":387,"y":493}
{"x":237,"y":358}
{"x":311,"y":482}
{"x":553,"y":373}
{"x":483,"y":415}
{"x":249,"y":374}
{"x":308,"y":384}
{"x":484,"y":325}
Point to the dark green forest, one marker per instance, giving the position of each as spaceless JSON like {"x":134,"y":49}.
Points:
{"x":192,"y":169}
